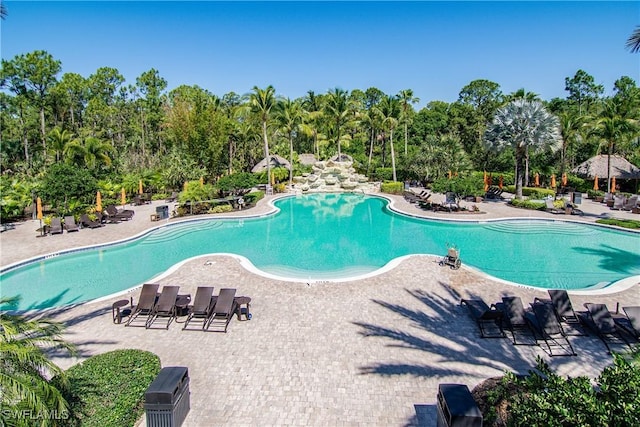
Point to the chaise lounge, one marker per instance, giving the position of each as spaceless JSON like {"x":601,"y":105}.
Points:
{"x":484,"y":317}
{"x":599,"y":320}
{"x":223,"y":309}
{"x":70,"y":224}
{"x":201,"y":309}
{"x":514,"y":315}
{"x":146,"y":301}
{"x":544,"y":322}
{"x":564,"y":310}
{"x":165,"y":307}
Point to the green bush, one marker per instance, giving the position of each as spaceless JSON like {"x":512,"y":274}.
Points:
{"x":532,"y":192}
{"x":592,"y":194}
{"x":382,"y":174}
{"x":625,"y":223}
{"x":544,"y":398}
{"x":528,"y":204}
{"x":237,"y":183}
{"x":468,"y":185}
{"x":195,"y":192}
{"x":108,"y":389}
{"x":221,"y":209}
{"x":392,"y":187}
{"x":253,"y":197}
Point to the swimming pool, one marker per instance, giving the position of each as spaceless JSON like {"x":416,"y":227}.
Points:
{"x":335,"y":236}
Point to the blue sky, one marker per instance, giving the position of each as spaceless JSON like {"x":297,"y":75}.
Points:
{"x":434,"y":48}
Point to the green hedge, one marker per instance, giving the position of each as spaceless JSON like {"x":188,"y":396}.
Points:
{"x":528,"y":204}
{"x":392,"y":187}
{"x":253,"y":197}
{"x":108,"y":389}
{"x":532,"y":192}
{"x":221,"y":209}
{"x":624,"y":223}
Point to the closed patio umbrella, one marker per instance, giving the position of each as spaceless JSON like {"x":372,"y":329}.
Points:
{"x":613,"y":184}
{"x":486,"y":183}
{"x":123,"y":197}
{"x":140,"y":187}
{"x":501,"y":182}
{"x":595,"y":183}
{"x":564,"y":179}
{"x":537,"y":180}
{"x":553,"y":181}
{"x":39,"y":214}
{"x":98,"y":202}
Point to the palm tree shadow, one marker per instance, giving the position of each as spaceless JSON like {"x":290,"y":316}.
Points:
{"x":446,"y":332}
{"x":614,"y":259}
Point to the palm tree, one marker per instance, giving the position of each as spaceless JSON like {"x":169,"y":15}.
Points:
{"x":522,"y":125}
{"x":611,"y":127}
{"x":571,"y":126}
{"x":389,"y":110}
{"x":262,"y":102}
{"x":3,"y":11}
{"x":92,"y":153}
{"x":338,"y":111}
{"x":633,"y":43}
{"x":289,"y":117}
{"x":406,"y":99}
{"x":312,"y":113}
{"x":25,"y":367}
{"x":58,"y":139}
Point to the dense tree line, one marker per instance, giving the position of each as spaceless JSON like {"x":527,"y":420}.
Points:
{"x":121,"y":132}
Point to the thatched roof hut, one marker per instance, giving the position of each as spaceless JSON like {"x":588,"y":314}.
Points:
{"x":275,"y":162}
{"x":621,"y":168}
{"x":343,"y":158}
{"x":307,"y":159}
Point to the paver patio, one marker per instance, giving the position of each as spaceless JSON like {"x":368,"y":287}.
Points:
{"x":364,"y":352}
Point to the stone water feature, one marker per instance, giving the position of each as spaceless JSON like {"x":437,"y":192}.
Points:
{"x":333,"y":176}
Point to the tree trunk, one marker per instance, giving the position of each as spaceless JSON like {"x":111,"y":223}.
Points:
{"x":609,"y":166}
{"x":520,"y":156}
{"x":290,"y":159}
{"x":393,"y":157}
{"x":526,"y":166}
{"x":371,"y":149}
{"x":266,"y":151}
{"x":42,"y":130}
{"x":25,"y":139}
{"x":406,"y":137}
{"x":338,"y":140}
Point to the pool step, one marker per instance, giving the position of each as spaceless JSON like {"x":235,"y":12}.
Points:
{"x":550,"y":227}
{"x":166,"y":234}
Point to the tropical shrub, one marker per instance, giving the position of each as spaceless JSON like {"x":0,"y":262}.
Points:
{"x":392,"y":187}
{"x":533,"y":192}
{"x":63,"y":183}
{"x":382,"y":174}
{"x":16,"y":196}
{"x":108,"y":389}
{"x":253,"y":197}
{"x":25,"y":345}
{"x":468,"y":185}
{"x":592,"y":194}
{"x":221,"y":209}
{"x":237,"y":183}
{"x":544,"y":398}
{"x":194,"y":191}
{"x":528,"y":204}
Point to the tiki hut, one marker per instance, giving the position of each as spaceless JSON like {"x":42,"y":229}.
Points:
{"x":274,"y":162}
{"x":620,"y":168}
{"x":307,"y":159}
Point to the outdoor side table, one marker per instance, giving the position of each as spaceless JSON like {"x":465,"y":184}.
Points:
{"x":242,"y":307}
{"x":182,"y":304}
{"x":118,"y":311}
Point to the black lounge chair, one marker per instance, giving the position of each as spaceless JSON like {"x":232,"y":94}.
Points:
{"x":165,"y":306}
{"x":631,"y":322}
{"x":86,"y":222}
{"x":599,"y":320}
{"x":485,"y":316}
{"x":223,"y":309}
{"x":202,"y":307}
{"x":56,"y":226}
{"x":494,"y":192}
{"x":564,"y":310}
{"x":146,"y":301}
{"x":70,"y":224}
{"x":119,"y":214}
{"x":514,"y":315}
{"x":544,"y":322}
{"x":172,"y":198}
{"x":450,"y":202}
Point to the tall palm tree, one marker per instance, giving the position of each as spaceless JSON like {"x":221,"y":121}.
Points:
{"x":289,"y":118}
{"x":262,"y":102}
{"x":3,"y":11}
{"x":633,"y":43}
{"x":610,"y":127}
{"x":522,"y":125}
{"x":25,"y":367}
{"x":338,"y":112}
{"x":406,"y":99}
{"x":312,"y":114}
{"x":91,"y":153}
{"x":390,"y":111}
{"x":571,"y":127}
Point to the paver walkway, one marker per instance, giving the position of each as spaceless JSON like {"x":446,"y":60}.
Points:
{"x":366,"y":352}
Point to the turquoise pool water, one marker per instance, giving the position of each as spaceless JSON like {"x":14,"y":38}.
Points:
{"x":329,"y":236}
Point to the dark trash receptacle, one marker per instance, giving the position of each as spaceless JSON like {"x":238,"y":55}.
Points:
{"x":576,"y":198}
{"x":162,"y":212}
{"x":456,"y":407}
{"x":166,"y":401}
